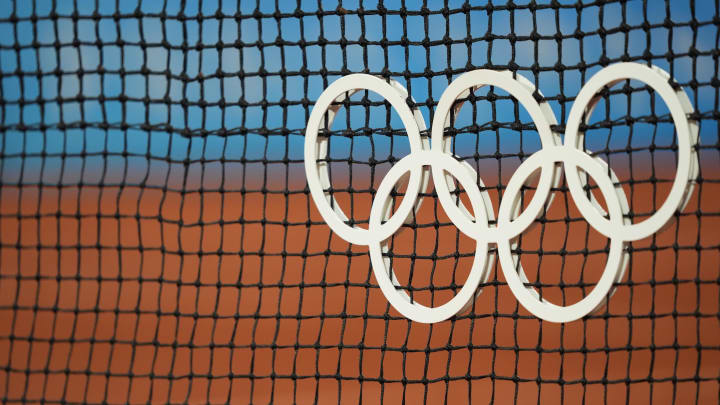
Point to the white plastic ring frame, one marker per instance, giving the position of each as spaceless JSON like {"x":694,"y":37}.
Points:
{"x":318,"y":176}
{"x":511,"y":222}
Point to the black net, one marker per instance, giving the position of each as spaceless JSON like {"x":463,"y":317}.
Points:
{"x":158,"y":242}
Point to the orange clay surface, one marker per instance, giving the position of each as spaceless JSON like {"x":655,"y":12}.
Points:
{"x":117,"y":300}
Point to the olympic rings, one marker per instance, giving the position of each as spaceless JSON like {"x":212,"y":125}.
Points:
{"x":511,"y":222}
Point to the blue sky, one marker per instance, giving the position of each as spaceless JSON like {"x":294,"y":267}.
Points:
{"x":136,"y":155}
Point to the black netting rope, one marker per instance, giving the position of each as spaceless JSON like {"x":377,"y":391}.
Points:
{"x":158,"y":242}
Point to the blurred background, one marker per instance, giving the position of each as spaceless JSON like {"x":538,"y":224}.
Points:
{"x":158,"y":242}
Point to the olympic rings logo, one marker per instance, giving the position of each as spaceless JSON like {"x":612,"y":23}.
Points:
{"x":555,"y":152}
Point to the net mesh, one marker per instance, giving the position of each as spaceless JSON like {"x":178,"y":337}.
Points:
{"x":159,"y":244}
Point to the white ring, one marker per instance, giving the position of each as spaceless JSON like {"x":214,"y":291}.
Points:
{"x":687,"y":164}
{"x":528,"y":296}
{"x":386,"y":277}
{"x":317,"y":175}
{"x":520,"y":88}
